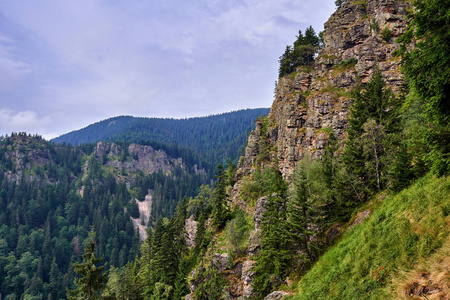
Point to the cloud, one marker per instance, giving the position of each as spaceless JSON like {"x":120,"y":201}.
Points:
{"x":72,"y":63}
{"x":12,"y":70}
{"x":24,"y":121}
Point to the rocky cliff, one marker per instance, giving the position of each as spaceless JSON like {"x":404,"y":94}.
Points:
{"x":315,"y":100}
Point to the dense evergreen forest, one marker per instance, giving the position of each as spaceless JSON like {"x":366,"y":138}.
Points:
{"x":206,"y":141}
{"x":51,"y":196}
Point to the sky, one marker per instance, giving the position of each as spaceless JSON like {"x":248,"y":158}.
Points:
{"x":66,"y":64}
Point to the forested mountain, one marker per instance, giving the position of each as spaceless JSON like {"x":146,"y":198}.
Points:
{"x":52,"y":195}
{"x":206,"y":140}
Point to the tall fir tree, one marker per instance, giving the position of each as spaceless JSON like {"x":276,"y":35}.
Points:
{"x":365,"y":165}
{"x":427,"y":68}
{"x":92,"y":280}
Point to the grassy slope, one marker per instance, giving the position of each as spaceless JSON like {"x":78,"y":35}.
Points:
{"x":406,"y":239}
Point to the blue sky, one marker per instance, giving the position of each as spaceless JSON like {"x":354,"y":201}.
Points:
{"x":66,"y":64}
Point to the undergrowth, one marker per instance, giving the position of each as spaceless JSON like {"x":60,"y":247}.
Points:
{"x":406,"y":228}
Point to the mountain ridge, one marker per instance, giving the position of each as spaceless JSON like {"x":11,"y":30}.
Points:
{"x":205,"y":141}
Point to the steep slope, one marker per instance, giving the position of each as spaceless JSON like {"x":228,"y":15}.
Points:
{"x":400,"y":252}
{"x":310,"y":102}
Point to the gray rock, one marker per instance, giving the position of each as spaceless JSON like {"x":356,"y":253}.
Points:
{"x":318,"y":97}
{"x":247,"y":278}
{"x":361,"y":217}
{"x":221,"y":261}
{"x":254,"y":242}
{"x":276,"y":295}
{"x":260,"y":208}
{"x":191,"y":231}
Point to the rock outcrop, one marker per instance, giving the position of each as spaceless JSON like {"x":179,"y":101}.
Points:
{"x":247,"y":278}
{"x":191,"y":231}
{"x":144,"y":158}
{"x":315,"y":100}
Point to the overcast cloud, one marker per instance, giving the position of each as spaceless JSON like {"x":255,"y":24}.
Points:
{"x":66,"y":64}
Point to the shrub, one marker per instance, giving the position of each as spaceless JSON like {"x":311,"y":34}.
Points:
{"x":386,"y":34}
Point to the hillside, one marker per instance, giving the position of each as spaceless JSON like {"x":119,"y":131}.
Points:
{"x":212,"y":139}
{"x":400,"y":251}
{"x":51,"y":195}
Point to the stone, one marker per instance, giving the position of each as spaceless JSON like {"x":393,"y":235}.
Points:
{"x":361,"y":217}
{"x":247,"y":278}
{"x":221,"y":261}
{"x":191,"y":231}
{"x":254,"y":242}
{"x":260,"y":208}
{"x":189,"y":297}
{"x":276,"y":295}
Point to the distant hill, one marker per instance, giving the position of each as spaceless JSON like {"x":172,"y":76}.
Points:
{"x":214,"y":139}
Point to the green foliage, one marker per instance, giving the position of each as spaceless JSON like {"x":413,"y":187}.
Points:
{"x":161,"y":270}
{"x":305,"y":209}
{"x":237,"y":231}
{"x":405,"y":229}
{"x":301,"y":53}
{"x":49,"y":219}
{"x":386,"y":34}
{"x":211,"y":283}
{"x":374,"y":25}
{"x":427,"y":68}
{"x":220,"y":213}
{"x":202,"y":202}
{"x":92,"y":280}
{"x":273,"y":259}
{"x":346,"y":64}
{"x":181,"y":288}
{"x":374,"y":123}
{"x":274,"y":254}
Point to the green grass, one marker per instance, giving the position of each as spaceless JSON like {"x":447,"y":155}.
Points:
{"x":405,"y":229}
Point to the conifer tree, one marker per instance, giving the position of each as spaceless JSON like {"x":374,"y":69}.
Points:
{"x":220,"y":213}
{"x":427,"y":68}
{"x":285,"y":61}
{"x":275,"y":254}
{"x":92,"y":280}
{"x":364,"y":165}
{"x":181,"y":288}
{"x":211,"y":285}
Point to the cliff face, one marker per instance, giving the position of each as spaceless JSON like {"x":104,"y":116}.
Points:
{"x":142,"y":158}
{"x":315,"y":100}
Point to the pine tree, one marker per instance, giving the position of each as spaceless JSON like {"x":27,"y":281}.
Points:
{"x":211,"y":285}
{"x":427,"y":68}
{"x":364,"y":165}
{"x":181,"y":288}
{"x":330,"y":166}
{"x":92,"y":280}
{"x":286,"y":64}
{"x":275,"y":254}
{"x":220,"y":211}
